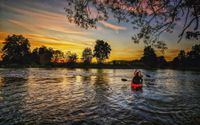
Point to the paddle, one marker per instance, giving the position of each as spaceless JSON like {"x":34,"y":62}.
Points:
{"x":147,"y":75}
{"x":123,"y":79}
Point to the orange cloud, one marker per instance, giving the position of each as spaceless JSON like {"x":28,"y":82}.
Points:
{"x":41,"y":40}
{"x":45,"y":40}
{"x":112,"y":26}
{"x":125,"y":54}
{"x":36,"y":13}
{"x":42,"y":26}
{"x":116,"y":53}
{"x":170,"y":54}
{"x":41,"y":21}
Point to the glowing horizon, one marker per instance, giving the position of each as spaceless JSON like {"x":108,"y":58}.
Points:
{"x":44,"y":23}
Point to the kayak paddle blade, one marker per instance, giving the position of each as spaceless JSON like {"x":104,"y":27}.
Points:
{"x":124,"y":79}
{"x":148,"y":76}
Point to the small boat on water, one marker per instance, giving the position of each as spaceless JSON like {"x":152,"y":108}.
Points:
{"x":136,"y":86}
{"x":137,"y":80}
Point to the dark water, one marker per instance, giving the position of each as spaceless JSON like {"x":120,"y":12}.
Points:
{"x":98,"y":97}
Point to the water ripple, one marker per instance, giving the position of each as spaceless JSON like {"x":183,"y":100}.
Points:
{"x":98,"y":97}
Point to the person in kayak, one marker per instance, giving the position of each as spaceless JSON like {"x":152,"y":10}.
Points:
{"x":137,"y":79}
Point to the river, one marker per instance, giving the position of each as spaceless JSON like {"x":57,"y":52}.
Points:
{"x":98,"y":97}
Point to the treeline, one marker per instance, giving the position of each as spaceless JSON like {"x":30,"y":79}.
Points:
{"x":16,"y":51}
{"x":189,"y":60}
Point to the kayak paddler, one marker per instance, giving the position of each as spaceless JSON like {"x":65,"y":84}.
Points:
{"x":137,"y":79}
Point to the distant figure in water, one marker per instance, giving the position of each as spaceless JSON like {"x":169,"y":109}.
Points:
{"x":137,"y":79}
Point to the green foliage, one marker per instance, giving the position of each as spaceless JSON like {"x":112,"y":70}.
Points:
{"x":16,"y":50}
{"x":101,"y":51}
{"x":87,"y":55}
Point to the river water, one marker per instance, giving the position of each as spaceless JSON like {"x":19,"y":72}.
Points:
{"x":98,"y":97}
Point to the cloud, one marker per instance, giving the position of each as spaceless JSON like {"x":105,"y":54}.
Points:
{"x":171,"y":53}
{"x":126,"y":53}
{"x":112,"y":26}
{"x":41,"y":21}
{"x":37,"y":40}
{"x":48,"y":24}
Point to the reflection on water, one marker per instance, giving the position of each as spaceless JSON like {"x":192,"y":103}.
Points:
{"x":98,"y":96}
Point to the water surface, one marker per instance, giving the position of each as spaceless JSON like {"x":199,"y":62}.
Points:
{"x":98,"y":97}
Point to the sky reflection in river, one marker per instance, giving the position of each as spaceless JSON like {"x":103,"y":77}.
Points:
{"x":98,"y":96}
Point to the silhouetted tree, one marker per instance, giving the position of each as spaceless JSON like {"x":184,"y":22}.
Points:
{"x":161,"y":62}
{"x":87,"y":55}
{"x":35,"y":56}
{"x":161,"y":45}
{"x":42,"y":55}
{"x":149,"y":57}
{"x":57,"y":54}
{"x":16,"y":50}
{"x":193,"y":57}
{"x":71,"y":57}
{"x":150,"y":17}
{"x":180,"y":60}
{"x":101,"y":51}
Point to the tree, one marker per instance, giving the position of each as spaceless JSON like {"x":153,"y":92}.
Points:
{"x":161,"y":61}
{"x":71,"y":57}
{"x":16,"y":49}
{"x":42,"y":55}
{"x":190,"y":59}
{"x":149,"y":57}
{"x":182,"y":55}
{"x":193,"y":57}
{"x":180,"y":60}
{"x":57,"y":54}
{"x":35,"y":56}
{"x":101,"y":51}
{"x":87,"y":55}
{"x":150,"y":17}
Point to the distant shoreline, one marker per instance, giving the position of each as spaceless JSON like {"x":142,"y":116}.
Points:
{"x":97,"y":66}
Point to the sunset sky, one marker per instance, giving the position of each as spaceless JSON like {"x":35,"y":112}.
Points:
{"x":44,"y":22}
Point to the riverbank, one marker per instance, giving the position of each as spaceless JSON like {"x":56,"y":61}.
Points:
{"x":82,"y":66}
{"x":98,"y":66}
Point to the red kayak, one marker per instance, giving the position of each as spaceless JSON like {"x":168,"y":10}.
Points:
{"x":136,"y":86}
